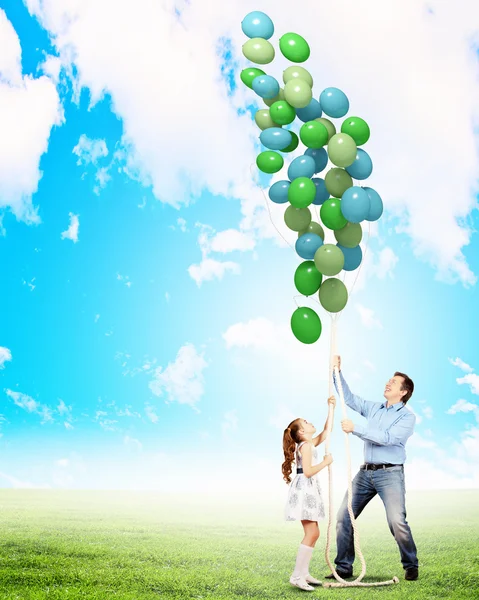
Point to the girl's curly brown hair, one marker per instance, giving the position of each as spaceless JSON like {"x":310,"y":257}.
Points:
{"x":290,"y":439}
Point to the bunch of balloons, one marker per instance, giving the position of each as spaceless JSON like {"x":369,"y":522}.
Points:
{"x":344,"y":206}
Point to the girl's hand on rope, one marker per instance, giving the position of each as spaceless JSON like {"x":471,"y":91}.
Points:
{"x":332,"y":400}
{"x":328,"y":459}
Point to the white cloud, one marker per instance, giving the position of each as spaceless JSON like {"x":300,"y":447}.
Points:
{"x":282,"y":417}
{"x":231,"y":240}
{"x":368,"y":318}
{"x":182,"y":224}
{"x":465,"y":407}
{"x":438,"y":227}
{"x":20,"y":484}
{"x":89,"y":151}
{"x":5,"y":356}
{"x":125,"y":279}
{"x":457,"y":362}
{"x":30,"y":109}
{"x":129,"y":441}
{"x":151,"y":414}
{"x":23,"y":401}
{"x":181,"y":381}
{"x":210,"y":269}
{"x":230,"y":423}
{"x":428,"y":412}
{"x":72,"y":232}
{"x":30,"y":405}
{"x":472,"y":380}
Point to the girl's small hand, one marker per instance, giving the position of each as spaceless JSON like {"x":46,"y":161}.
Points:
{"x":328,"y":459}
{"x":332,"y":400}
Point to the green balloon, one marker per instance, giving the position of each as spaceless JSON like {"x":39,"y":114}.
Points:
{"x":349,"y":236}
{"x":247,"y":75}
{"x":329,"y":259}
{"x":271,"y":101}
{"x":329,"y":126}
{"x":333,"y":295}
{"x":331,"y":214}
{"x":296,"y":72}
{"x":301,"y":192}
{"x":337,"y":182}
{"x":294,"y":47}
{"x":306,"y":325}
{"x":269,"y":161}
{"x":297,"y":219}
{"x":342,"y":150}
{"x":313,"y":227}
{"x":313,"y":134}
{"x":263,"y":119}
{"x":294,"y":143}
{"x":357,"y":128}
{"x":283,"y":113}
{"x":298,"y":93}
{"x":307,"y":278}
{"x":258,"y":50}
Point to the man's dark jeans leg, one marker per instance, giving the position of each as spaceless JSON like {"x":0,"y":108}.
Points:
{"x":389,"y":484}
{"x":363,"y":492}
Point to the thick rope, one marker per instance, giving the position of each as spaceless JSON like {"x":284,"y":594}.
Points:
{"x":342,"y":582}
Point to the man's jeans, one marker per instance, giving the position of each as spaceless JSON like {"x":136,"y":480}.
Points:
{"x":389,"y":484}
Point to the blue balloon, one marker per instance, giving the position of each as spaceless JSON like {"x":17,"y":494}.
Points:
{"x":307,"y":244}
{"x":302,"y":166}
{"x":310,"y":112}
{"x":322,"y":193}
{"x":362,"y":167}
{"x":266,"y":86}
{"x":278,"y":192}
{"x":320,"y":158}
{"x":355,"y":204}
{"x":275,"y":138}
{"x":376,"y":204}
{"x":257,"y":25}
{"x":352,"y":257}
{"x":334,"y":102}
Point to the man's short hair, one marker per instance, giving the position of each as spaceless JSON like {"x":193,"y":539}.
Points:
{"x":407,"y":385}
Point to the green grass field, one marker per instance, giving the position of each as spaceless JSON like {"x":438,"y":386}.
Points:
{"x":68,"y":545}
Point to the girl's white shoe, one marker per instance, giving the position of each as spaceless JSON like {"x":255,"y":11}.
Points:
{"x":313,"y":580}
{"x":301,"y":583}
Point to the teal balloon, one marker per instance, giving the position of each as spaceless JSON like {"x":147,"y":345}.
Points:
{"x":278,"y":192}
{"x":257,"y":24}
{"x":362,"y":167}
{"x":355,"y":204}
{"x":352,"y":257}
{"x":275,"y":138}
{"x":375,"y":206}
{"x":266,"y":86}
{"x":306,"y":325}
{"x":334,"y":102}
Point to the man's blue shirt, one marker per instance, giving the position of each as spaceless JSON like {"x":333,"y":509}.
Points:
{"x":387,"y":429}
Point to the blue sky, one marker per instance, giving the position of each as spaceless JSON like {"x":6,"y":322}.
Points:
{"x":158,"y":331}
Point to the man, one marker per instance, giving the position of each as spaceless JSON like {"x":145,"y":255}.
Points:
{"x":389,"y":425}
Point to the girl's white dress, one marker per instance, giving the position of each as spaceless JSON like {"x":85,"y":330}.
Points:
{"x":305,"y":501}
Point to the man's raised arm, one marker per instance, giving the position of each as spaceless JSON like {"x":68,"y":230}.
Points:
{"x":363,"y":407}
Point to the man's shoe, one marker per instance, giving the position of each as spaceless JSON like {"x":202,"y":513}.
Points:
{"x":342,"y":574}
{"x":412,"y":573}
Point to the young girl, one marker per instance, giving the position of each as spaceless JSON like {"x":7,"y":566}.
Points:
{"x":305,"y":502}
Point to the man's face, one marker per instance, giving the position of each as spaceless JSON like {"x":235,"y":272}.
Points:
{"x":393,"y":391}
